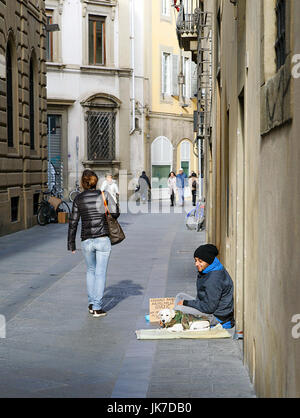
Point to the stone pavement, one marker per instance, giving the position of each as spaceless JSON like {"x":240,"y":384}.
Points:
{"x":54,"y":348}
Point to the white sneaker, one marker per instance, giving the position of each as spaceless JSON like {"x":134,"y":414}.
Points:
{"x":99,"y":313}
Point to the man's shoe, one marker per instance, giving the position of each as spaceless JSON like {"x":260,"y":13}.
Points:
{"x":91,"y":310}
{"x":99,"y":313}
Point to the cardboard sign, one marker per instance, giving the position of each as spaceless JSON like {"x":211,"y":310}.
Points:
{"x":156,"y":304}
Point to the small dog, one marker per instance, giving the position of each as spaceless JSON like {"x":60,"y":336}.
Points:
{"x":179,"y":321}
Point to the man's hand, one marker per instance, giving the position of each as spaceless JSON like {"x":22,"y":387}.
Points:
{"x":73,"y":252}
{"x":180,"y":303}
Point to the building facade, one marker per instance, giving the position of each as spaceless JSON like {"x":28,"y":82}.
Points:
{"x":23,"y":153}
{"x":113,"y":93}
{"x":89,"y":89}
{"x":170,"y":128}
{"x":252,"y":172}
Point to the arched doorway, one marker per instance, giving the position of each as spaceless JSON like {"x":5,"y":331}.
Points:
{"x":161,"y":165}
{"x":185,"y":156}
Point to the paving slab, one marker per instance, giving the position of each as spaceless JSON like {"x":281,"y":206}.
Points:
{"x":55,"y":348}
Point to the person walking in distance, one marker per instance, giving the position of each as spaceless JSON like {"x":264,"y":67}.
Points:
{"x":193,"y":183}
{"x":181,"y":179}
{"x":144,"y":186}
{"x":95,"y":241}
{"x":111,"y":187}
{"x":172,"y":186}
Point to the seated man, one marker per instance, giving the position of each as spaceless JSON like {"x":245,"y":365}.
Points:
{"x":214,"y":289}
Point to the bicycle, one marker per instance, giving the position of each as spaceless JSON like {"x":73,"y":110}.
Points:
{"x":195,"y":219}
{"x":57,"y":191}
{"x":48,"y":209}
{"x":75,"y":192}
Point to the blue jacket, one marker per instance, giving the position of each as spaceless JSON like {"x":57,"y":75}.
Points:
{"x":181,"y":180}
{"x":214,"y":292}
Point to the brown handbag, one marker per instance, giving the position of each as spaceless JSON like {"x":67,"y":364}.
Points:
{"x":116,"y":233}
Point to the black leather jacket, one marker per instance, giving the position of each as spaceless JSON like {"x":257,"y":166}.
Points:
{"x":89,"y":206}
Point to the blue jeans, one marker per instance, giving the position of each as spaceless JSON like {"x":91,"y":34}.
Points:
{"x":181,"y":195}
{"x":96,"y":252}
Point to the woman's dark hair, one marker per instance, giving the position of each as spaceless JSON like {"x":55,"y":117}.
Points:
{"x":173,"y":173}
{"x":89,"y":180}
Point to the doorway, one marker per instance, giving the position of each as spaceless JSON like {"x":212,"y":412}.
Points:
{"x":55,"y":160}
{"x":161,"y":165}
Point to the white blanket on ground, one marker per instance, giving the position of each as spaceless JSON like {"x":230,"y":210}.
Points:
{"x":163,"y":333}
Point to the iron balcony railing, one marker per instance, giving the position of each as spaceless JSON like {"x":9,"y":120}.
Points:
{"x":188,"y":18}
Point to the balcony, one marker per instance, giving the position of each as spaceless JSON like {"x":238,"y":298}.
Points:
{"x":187,"y":25}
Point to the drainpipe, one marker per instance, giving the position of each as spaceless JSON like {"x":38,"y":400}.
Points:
{"x":132,"y":99}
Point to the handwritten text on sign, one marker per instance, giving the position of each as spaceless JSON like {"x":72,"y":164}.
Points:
{"x":156,"y":304}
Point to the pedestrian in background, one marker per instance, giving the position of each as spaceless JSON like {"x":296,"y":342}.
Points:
{"x":96,"y":245}
{"x":110,"y":186}
{"x":172,"y":186}
{"x":144,"y":186}
{"x":193,"y":183}
{"x":181,"y":180}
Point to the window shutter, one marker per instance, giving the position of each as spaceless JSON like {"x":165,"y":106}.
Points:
{"x":164,"y":73}
{"x":175,"y":72}
{"x":194,"y":78}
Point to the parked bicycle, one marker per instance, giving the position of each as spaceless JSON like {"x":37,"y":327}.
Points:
{"x":50,"y":207}
{"x":75,"y":192}
{"x":195,"y":219}
{"x":57,"y":191}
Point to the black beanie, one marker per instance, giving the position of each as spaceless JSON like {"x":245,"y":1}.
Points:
{"x":207,"y":253}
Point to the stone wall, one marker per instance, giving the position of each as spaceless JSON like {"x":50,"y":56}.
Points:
{"x":253,"y":187}
{"x":23,"y":169}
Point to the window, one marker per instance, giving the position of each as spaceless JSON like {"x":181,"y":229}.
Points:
{"x":187,"y":76}
{"x":166,"y":74}
{"x":31,"y":103}
{"x":49,"y":37}
{"x":14,"y":209}
{"x":280,"y":41}
{"x":9,"y":98}
{"x":165,"y":7}
{"x":101,"y":135}
{"x":96,"y":40}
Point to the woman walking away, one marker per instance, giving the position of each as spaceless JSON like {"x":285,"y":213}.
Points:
{"x":172,"y":186}
{"x":96,"y":246}
{"x":193,"y":180}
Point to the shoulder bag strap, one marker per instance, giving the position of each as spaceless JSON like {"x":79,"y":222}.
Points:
{"x":105,"y":203}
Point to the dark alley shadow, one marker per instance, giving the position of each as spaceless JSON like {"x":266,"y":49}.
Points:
{"x":116,"y":293}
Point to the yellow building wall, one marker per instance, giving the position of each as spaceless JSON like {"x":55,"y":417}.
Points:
{"x":164,"y":36}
